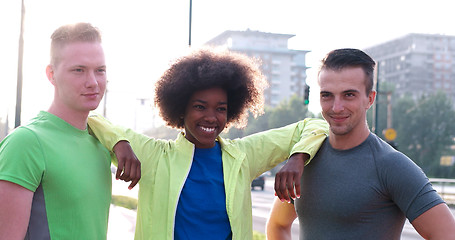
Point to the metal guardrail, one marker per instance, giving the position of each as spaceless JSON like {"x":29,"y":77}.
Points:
{"x":446,"y":180}
{"x":445,"y":187}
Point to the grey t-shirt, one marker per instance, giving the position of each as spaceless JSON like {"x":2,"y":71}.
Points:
{"x":362,"y":193}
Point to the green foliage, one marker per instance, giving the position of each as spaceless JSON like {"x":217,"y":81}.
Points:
{"x":425,"y":129}
{"x":287,"y":112}
{"x":381,"y":105}
{"x":124,"y":201}
{"x":258,"y":236}
{"x":257,"y":124}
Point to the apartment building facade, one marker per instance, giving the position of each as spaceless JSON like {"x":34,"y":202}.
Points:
{"x":417,"y":64}
{"x":284,"y":68}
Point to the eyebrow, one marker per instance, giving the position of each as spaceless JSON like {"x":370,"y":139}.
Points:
{"x":85,"y":66}
{"x":79,"y":66}
{"x":351,"y":90}
{"x":346,"y":91}
{"x":205,"y":102}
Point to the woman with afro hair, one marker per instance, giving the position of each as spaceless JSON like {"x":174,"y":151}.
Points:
{"x":198,"y":186}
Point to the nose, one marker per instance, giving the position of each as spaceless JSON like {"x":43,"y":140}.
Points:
{"x":338,"y":105}
{"x":210,"y":115}
{"x":91,"y":80}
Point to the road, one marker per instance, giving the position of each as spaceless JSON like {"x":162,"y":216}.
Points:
{"x":262,"y":202}
{"x":122,"y":221}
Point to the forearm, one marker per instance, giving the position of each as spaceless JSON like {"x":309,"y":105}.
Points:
{"x":279,"y":224}
{"x":275,"y":232}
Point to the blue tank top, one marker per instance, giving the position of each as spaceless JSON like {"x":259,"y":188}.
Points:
{"x":201,"y":211}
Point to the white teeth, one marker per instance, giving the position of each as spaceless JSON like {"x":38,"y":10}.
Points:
{"x":208,"y":129}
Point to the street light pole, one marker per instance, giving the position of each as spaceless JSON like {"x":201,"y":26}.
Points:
{"x":376,"y":106}
{"x":19,"y":70}
{"x":191,"y":10}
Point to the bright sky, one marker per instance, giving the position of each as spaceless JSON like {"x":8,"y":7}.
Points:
{"x":141,"y":37}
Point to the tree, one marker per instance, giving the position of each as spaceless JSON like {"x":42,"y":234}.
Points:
{"x":381,"y":105}
{"x":402,"y":112}
{"x":426,"y":130}
{"x":287,"y":112}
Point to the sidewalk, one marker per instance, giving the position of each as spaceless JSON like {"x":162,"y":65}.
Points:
{"x":122,"y":221}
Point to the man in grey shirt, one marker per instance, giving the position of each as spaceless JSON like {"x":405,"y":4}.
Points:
{"x":358,"y":186}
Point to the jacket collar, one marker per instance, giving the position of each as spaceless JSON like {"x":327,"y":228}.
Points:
{"x":227,"y":145}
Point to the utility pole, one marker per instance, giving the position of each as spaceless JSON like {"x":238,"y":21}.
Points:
{"x":19,"y":70}
{"x":376,"y":107}
{"x":389,"y":132}
{"x":389,"y":109}
{"x":105,"y":101}
{"x":191,"y":10}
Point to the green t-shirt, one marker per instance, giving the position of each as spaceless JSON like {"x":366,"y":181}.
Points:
{"x":69,"y":171}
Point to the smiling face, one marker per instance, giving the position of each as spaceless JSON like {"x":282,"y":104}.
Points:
{"x":79,"y":77}
{"x":205,"y":117}
{"x":344,"y":102}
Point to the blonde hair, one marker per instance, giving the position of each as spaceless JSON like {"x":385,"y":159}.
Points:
{"x":78,"y":32}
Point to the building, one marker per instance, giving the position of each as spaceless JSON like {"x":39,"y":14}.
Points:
{"x":284,"y":68}
{"x":417,"y":64}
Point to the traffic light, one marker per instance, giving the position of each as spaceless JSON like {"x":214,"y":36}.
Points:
{"x":306,"y":95}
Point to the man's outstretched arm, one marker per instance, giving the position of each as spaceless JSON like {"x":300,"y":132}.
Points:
{"x":129,"y":166}
{"x":287,"y":180}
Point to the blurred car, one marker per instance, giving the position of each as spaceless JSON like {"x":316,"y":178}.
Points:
{"x":258,"y":182}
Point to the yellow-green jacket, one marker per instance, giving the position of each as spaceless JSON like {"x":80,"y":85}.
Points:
{"x":165,"y":166}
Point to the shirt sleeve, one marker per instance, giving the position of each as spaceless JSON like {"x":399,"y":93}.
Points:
{"x":312,"y":136}
{"x":110,"y":134}
{"x":266,"y":149}
{"x":408,"y":185}
{"x":22,"y":159}
{"x":106,"y":132}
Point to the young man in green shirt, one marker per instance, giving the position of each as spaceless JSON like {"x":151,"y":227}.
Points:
{"x":55,"y":179}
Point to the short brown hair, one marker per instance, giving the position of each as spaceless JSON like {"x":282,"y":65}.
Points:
{"x":339,"y":59}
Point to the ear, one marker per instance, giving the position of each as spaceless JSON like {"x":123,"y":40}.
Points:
{"x":50,"y":74}
{"x":371,"y":97}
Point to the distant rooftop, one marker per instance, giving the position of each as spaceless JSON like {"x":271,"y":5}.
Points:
{"x":249,"y":32}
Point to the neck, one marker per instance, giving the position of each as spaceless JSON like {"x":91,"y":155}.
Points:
{"x":75,"y":118}
{"x":349,"y":140}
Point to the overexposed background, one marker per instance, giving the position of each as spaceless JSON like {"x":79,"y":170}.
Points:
{"x":141,"y":37}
